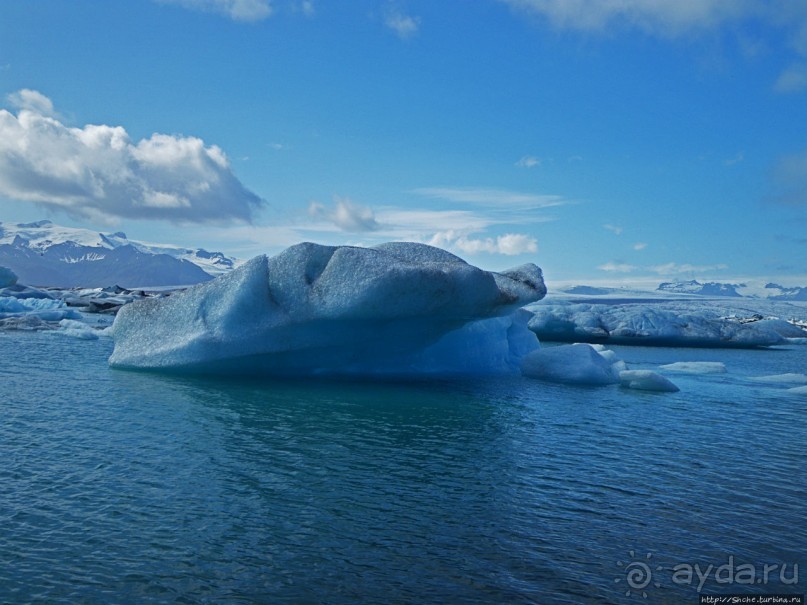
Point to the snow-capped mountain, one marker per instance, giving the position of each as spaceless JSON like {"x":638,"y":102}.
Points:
{"x":777,"y":292}
{"x":745,"y":290}
{"x":46,"y":254}
{"x":751,"y":289}
{"x":706,"y":289}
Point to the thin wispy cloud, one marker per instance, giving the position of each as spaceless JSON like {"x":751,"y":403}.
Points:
{"x":491,"y":197}
{"x":678,"y":269}
{"x":98,"y":172}
{"x":307,"y":8}
{"x":667,"y":269}
{"x":671,"y":19}
{"x":792,"y":80}
{"x":528,"y":161}
{"x":237,"y":10}
{"x":422,"y":222}
{"x":790,"y":179}
{"x":615,"y":229}
{"x":662,"y":17}
{"x":639,"y":246}
{"x":404,"y":26}
{"x":740,"y":157}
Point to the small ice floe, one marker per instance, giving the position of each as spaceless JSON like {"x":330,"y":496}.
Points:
{"x":646,"y":380}
{"x":791,"y":378}
{"x":695,"y":367}
{"x":77,"y":329}
{"x":578,"y":364}
{"x":14,"y":310}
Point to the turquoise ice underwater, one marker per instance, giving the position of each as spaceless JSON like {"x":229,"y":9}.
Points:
{"x":131,"y":487}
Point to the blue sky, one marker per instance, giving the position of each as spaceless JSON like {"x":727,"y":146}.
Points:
{"x":605,"y":141}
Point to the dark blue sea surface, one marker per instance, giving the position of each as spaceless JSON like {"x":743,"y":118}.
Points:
{"x":126,"y":487}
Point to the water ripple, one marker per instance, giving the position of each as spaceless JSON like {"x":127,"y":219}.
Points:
{"x":138,"y":488}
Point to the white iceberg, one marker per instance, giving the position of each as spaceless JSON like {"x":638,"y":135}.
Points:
{"x":45,"y":309}
{"x":578,"y":364}
{"x":398,"y":308}
{"x":695,"y":367}
{"x":646,"y":380}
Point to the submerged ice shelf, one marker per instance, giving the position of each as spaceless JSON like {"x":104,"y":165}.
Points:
{"x":398,"y":308}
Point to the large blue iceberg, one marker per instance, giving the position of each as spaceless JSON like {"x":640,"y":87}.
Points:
{"x":398,"y":308}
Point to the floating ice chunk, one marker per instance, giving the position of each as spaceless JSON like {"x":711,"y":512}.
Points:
{"x":19,"y":291}
{"x":569,"y":364}
{"x":397,"y":308}
{"x":46,"y":308}
{"x":7,"y":277}
{"x":696,"y":367}
{"x":784,"y":378}
{"x":25,"y":323}
{"x":77,"y":329}
{"x":798,"y":390}
{"x":646,"y":380}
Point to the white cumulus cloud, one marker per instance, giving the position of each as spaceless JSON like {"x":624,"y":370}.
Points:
{"x":345,"y":214}
{"x":238,"y":10}
{"x":617,"y":267}
{"x":32,"y":100}
{"x":509,"y":244}
{"x":98,"y":172}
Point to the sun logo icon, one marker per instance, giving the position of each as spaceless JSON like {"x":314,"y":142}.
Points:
{"x":638,"y":574}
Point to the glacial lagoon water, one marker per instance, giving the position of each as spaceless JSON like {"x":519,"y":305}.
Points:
{"x":127,"y":487}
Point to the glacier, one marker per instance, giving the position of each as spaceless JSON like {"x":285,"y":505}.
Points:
{"x":663,"y":323}
{"x":394,"y":309}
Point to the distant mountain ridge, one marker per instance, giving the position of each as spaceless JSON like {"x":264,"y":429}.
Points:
{"x":706,"y":289}
{"x":45,"y":254}
{"x":751,"y":290}
{"x":783,"y":293}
